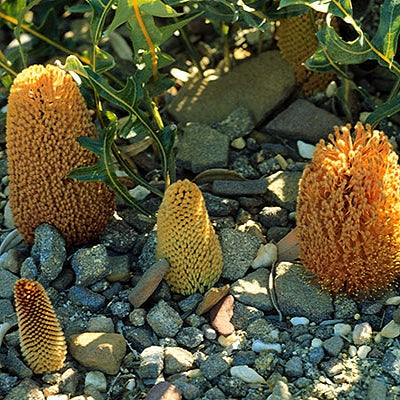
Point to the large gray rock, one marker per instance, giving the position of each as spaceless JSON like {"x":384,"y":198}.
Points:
{"x":201,"y":148}
{"x":164,"y":320}
{"x":298,"y":295}
{"x":7,"y":282}
{"x":303,"y":120}
{"x":259,"y":84}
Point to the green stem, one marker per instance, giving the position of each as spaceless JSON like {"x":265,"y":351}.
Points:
{"x":225,"y":31}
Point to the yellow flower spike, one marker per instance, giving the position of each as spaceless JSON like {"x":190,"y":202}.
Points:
{"x":348,"y":212}
{"x":42,"y":340}
{"x":46,"y":114}
{"x":187,"y":240}
{"x":297,"y":42}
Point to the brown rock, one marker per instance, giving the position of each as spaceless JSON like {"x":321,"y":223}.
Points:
{"x":211,"y":298}
{"x":164,"y":391}
{"x":221,"y":315}
{"x":259,"y":84}
{"x":98,"y":350}
{"x":148,"y":283}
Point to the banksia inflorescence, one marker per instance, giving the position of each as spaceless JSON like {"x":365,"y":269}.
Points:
{"x":348,"y":212}
{"x":187,"y":240}
{"x":297,"y":42}
{"x":46,"y":114}
{"x":42,"y":340}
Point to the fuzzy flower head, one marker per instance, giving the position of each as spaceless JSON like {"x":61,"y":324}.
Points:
{"x":186,"y":238}
{"x":348,"y":212}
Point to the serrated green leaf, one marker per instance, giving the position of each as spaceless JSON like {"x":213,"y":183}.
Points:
{"x":168,"y":30}
{"x":79,"y":8}
{"x":387,"y":35}
{"x":157,"y":8}
{"x":104,"y":61}
{"x":100,"y":10}
{"x":321,"y":5}
{"x":384,"y":111}
{"x":342,"y":9}
{"x":13,"y":8}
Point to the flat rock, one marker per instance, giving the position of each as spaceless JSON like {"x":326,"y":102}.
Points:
{"x":239,"y":188}
{"x":221,"y":314}
{"x":201,"y":147}
{"x":298,"y":296}
{"x":151,"y":362}
{"x":164,"y":320}
{"x":283,"y":189}
{"x":211,"y":298}
{"x":252,"y":290}
{"x":148,"y":283}
{"x":314,"y":124}
{"x":164,"y":391}
{"x":206,"y":100}
{"x":98,"y":350}
{"x":177,"y":360}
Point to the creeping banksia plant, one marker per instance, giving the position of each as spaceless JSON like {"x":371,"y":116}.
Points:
{"x":46,"y":114}
{"x":348,"y":212}
{"x":186,"y":238}
{"x":42,"y":340}
{"x":297,"y":42}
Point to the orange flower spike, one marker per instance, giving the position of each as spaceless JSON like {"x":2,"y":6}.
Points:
{"x":348,"y":212}
{"x":187,"y":240}
{"x":46,"y":114}
{"x":42,"y":340}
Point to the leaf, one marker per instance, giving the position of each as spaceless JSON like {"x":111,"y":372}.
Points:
{"x":13,"y":8}
{"x":103,"y":61}
{"x":100,"y":11}
{"x":321,"y":5}
{"x":383,"y":111}
{"x":104,"y":169}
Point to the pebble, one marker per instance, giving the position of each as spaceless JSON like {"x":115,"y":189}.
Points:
{"x":341,"y":329}
{"x":221,"y":314}
{"x":363,"y":351}
{"x":119,"y":269}
{"x":333,"y":346}
{"x":393,"y":301}
{"x":26,"y":389}
{"x":164,"y":391}
{"x":139,"y":192}
{"x":294,"y":367}
{"x":239,"y":188}
{"x":120,"y":309}
{"x":211,"y":298}
{"x":258,"y":346}
{"x":97,"y":380}
{"x":237,"y":124}
{"x":247,"y":374}
{"x":101,"y":323}
{"x":177,"y":359}
{"x":58,"y":397}
{"x":280,"y":392}
{"x":90,"y":265}
{"x":316,"y":355}
{"x":306,"y":150}
{"x":190,"y":337}
{"x":7,"y":282}
{"x":390,"y":330}
{"x":218,"y":206}
{"x":29,"y":270}
{"x":189,"y":303}
{"x":273,"y":216}
{"x":138,"y":317}
{"x":164,"y":320}
{"x":7,"y":382}
{"x":362,"y":333}
{"x":151,"y":362}
{"x":209,"y":332}
{"x":266,"y":256}
{"x":299,"y":321}
{"x":8,"y":220}
{"x":213,"y":366}
{"x":238,"y":143}
{"x":316,"y":342}
{"x":98,"y":350}
{"x":377,"y":390}
{"x":119,"y":236}
{"x":87,"y":298}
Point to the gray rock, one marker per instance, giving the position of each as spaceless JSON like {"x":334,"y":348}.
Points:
{"x":11,"y":260}
{"x":120,"y":309}
{"x":298,"y":296}
{"x":189,"y":388}
{"x":7,"y":282}
{"x":243,"y":357}
{"x":239,"y":123}
{"x":119,"y":268}
{"x":280,"y":392}
{"x":316,"y":355}
{"x":177,"y":360}
{"x":253,"y":290}
{"x":7,"y":313}
{"x":164,"y":320}
{"x":48,"y":252}
{"x":372,"y":307}
{"x":206,"y":100}
{"x":243,"y":315}
{"x":314,"y":124}
{"x":27,"y":389}
{"x":294,"y":367}
{"x":213,"y":394}
{"x":151,"y":362}
{"x":14,"y":365}
{"x":7,"y":382}
{"x":333,"y":346}
{"x":214,"y":366}
{"x":377,"y":390}
{"x":344,"y":307}
{"x":276,"y":233}
{"x":391,"y":365}
{"x":273,"y":216}
{"x":239,"y":188}
{"x":219,"y":207}
{"x":283,"y":189}
{"x":190,"y":303}
{"x":243,"y":167}
{"x":119,"y":236}
{"x":29,"y":269}
{"x":232,"y":386}
{"x":101,"y":324}
{"x":69,"y":381}
{"x":147,"y":257}
{"x":201,"y":148}
{"x":87,"y":298}
{"x":90,"y":265}
{"x":139,"y":338}
{"x":332,"y":367}
{"x":189,"y":337}
{"x":238,"y":250}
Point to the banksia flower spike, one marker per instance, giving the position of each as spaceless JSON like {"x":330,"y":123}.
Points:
{"x":42,"y":340}
{"x":46,"y":114}
{"x":348,"y":212}
{"x":297,"y":42}
{"x":187,"y":240}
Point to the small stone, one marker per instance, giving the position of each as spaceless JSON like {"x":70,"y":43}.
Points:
{"x":273,"y":216}
{"x":139,"y":338}
{"x":333,"y":346}
{"x":90,"y":265}
{"x":221,"y":314}
{"x":363,"y":351}
{"x":390,"y":330}
{"x":377,"y":390}
{"x":391,"y":365}
{"x":316,"y":355}
{"x":29,"y":269}
{"x":247,"y":374}
{"x":214,"y":366}
{"x":26,"y":389}
{"x":69,"y":381}
{"x":87,"y":298}
{"x":190,"y":303}
{"x":148,"y":283}
{"x":101,"y":324}
{"x":7,"y":382}
{"x":164,"y":391}
{"x":190,"y":337}
{"x":233,"y":341}
{"x":258,"y":346}
{"x":316,"y":342}
{"x":280,"y":392}
{"x":119,"y":269}
{"x":393,"y":301}
{"x":267,"y":254}
{"x":139,"y":192}
{"x":341,"y":329}
{"x":214,"y":394}
{"x":177,"y":360}
{"x":353,"y":350}
{"x":97,"y":380}
{"x":151,"y":362}
{"x":239,"y":188}
{"x":396,"y":316}
{"x":8,"y":217}
{"x":362,"y":333}
{"x":237,"y":124}
{"x":294,"y":367}
{"x":138,"y":317}
{"x":164,"y":320}
{"x":119,"y":236}
{"x":220,"y":207}
{"x":209,"y":332}
{"x":7,"y":282}
{"x":238,"y":143}
{"x":299,"y":321}
{"x":306,"y":150}
{"x":211,"y":298}
{"x":99,"y":350}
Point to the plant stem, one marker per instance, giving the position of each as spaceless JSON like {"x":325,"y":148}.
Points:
{"x":225,"y":31}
